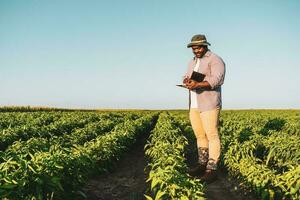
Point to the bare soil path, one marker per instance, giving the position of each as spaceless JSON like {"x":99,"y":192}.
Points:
{"x":225,"y":189}
{"x":126,"y":182}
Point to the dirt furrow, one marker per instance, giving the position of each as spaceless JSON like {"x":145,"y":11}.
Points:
{"x":126,"y":182}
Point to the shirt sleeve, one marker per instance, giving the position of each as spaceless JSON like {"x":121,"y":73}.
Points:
{"x":216,"y":77}
{"x":186,"y":75}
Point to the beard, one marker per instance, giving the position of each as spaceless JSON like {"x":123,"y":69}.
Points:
{"x":201,"y":54}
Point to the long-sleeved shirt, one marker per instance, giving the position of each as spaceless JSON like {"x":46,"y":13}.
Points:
{"x":214,"y":69}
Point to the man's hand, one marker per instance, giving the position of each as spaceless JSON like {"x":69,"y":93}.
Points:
{"x":186,"y":80}
{"x":191,"y":85}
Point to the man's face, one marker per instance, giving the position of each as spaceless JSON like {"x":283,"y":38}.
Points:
{"x":199,"y":51}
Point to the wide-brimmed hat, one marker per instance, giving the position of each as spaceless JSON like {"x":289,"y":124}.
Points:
{"x":198,"y":40}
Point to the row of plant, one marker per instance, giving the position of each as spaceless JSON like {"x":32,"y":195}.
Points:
{"x":37,"y":109}
{"x":168,"y":171}
{"x":262,"y":151}
{"x":38,"y":171}
{"x":15,"y":119}
{"x":275,"y":125}
{"x":77,"y":137}
{"x":254,"y":163}
{"x":50,"y":125}
{"x":260,"y":148}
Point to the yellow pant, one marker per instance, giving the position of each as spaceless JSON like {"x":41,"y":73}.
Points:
{"x":205,"y":127}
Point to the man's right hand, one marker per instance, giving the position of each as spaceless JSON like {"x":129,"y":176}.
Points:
{"x":186,"y":80}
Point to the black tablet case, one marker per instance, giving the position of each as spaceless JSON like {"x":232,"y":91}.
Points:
{"x":196,"y":76}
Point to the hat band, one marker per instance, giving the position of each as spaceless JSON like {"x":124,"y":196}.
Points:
{"x":198,"y":41}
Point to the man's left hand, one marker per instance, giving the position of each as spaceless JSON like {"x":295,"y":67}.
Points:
{"x":191,"y":85}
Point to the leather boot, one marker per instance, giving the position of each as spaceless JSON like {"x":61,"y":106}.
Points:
{"x":209,"y":176}
{"x":197,"y":171}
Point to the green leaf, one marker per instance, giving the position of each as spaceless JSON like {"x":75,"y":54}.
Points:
{"x":82,"y":194}
{"x":148,"y":197}
{"x":159,"y":194}
{"x":31,"y":169}
{"x":269,"y":155}
{"x":154,"y":182}
{"x":7,"y":186}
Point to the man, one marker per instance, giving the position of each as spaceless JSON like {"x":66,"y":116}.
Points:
{"x":205,"y":105}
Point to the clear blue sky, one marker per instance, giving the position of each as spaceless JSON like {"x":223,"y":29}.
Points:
{"x":131,"y":54}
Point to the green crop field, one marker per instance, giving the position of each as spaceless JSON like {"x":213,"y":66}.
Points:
{"x":51,"y":154}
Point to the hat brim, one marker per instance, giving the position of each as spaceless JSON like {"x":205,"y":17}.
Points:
{"x":198,"y":44}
